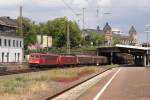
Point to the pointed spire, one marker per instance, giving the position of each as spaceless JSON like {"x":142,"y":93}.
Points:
{"x":107,"y":28}
{"x":132,"y":30}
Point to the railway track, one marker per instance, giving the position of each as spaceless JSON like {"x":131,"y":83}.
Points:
{"x":60,"y":93}
{"x":11,"y":72}
{"x":28,"y":70}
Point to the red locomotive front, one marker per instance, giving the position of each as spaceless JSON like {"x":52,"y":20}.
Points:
{"x":34,"y":59}
{"x":40,"y":60}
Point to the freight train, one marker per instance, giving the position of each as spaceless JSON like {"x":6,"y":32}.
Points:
{"x":49,"y":60}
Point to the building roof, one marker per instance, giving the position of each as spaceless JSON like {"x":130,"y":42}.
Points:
{"x":88,"y":31}
{"x":107,"y":28}
{"x":7,"y":21}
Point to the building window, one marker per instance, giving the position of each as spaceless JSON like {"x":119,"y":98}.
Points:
{"x":5,"y":42}
{"x":20,"y":44}
{"x":0,"y":42}
{"x":18,"y":57}
{"x":9,"y":43}
{"x":7,"y":57}
{"x":17,"y":43}
{"x":15,"y":57}
{"x":14,"y":43}
{"x":2,"y":57}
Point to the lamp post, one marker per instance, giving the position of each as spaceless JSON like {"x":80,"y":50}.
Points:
{"x":68,"y":38}
{"x":147,"y":39}
{"x":78,"y":15}
{"x":147,"y":34}
{"x":100,"y":18}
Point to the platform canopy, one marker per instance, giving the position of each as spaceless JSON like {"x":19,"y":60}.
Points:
{"x":132,"y":47}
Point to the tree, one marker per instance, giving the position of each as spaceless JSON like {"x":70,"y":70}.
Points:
{"x":29,"y":29}
{"x":57,"y":28}
{"x":75,"y":34}
{"x":95,"y":38}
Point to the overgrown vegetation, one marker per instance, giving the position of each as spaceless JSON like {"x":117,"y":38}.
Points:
{"x":31,"y":83}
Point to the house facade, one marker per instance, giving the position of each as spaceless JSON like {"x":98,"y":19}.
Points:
{"x":11,"y":45}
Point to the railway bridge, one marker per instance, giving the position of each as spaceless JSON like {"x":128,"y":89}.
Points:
{"x":140,"y":55}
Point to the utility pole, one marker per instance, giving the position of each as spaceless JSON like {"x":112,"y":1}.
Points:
{"x":83,"y":35}
{"x":21,"y":29}
{"x":97,"y":11}
{"x":78,"y":15}
{"x":68,"y":38}
{"x":83,"y":18}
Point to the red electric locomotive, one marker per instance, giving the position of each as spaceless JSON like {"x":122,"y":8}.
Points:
{"x":38,"y":60}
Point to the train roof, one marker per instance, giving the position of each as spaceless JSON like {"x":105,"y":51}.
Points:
{"x":84,"y":55}
{"x":43,"y":54}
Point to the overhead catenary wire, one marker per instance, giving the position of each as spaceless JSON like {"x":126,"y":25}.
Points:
{"x":72,"y":10}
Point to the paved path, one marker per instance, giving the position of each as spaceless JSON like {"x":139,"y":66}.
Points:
{"x":131,"y":83}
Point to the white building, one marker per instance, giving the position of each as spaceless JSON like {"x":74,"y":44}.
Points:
{"x":11,"y":49}
{"x":11,"y":46}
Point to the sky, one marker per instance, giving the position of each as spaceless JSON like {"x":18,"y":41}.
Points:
{"x":120,"y":14}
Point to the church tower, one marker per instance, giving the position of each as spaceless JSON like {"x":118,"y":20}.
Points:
{"x":133,"y":35}
{"x":108,"y":34}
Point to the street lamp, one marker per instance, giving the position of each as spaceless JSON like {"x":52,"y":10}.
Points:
{"x":78,"y":15}
{"x":147,"y":33}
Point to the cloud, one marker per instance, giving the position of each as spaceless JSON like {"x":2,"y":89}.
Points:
{"x":9,"y":2}
{"x":80,"y":3}
{"x":104,"y":3}
{"x":45,"y":3}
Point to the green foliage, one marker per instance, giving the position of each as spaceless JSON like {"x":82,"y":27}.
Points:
{"x":75,"y":34}
{"x":57,"y":28}
{"x":95,"y":38}
{"x":29,"y":31}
